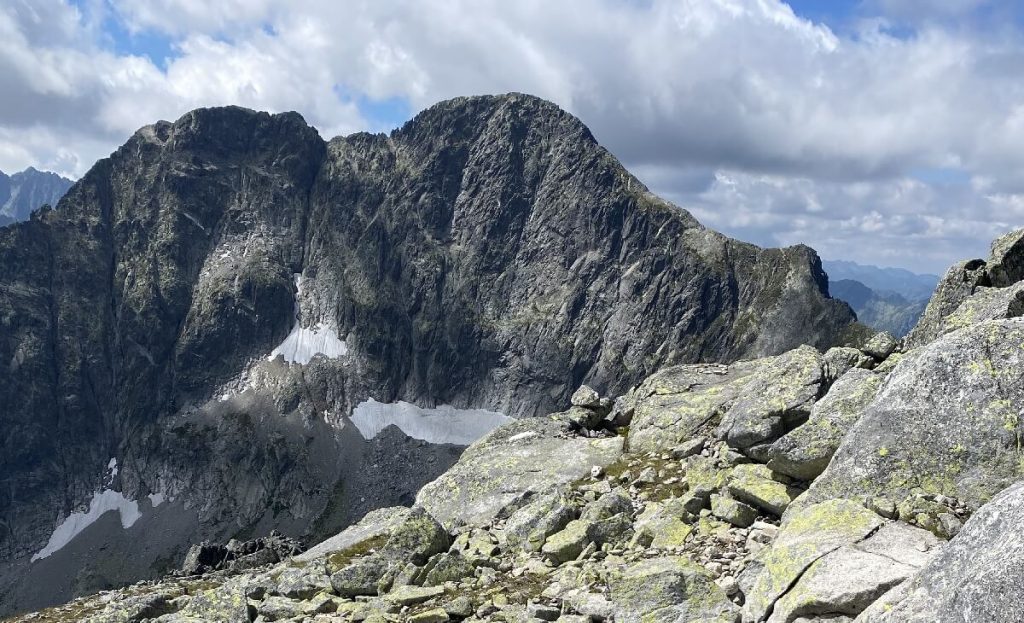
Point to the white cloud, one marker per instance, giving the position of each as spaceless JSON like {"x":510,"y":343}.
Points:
{"x":794,"y":113}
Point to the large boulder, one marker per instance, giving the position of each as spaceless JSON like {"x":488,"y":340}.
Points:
{"x":376,"y":525}
{"x":750,"y":402}
{"x":984,"y":304}
{"x":499,"y":473}
{"x":846,"y":581}
{"x":805,"y":536}
{"x":670,"y":588}
{"x":1005,"y":265}
{"x":976,"y":577}
{"x":959,"y":282}
{"x":947,"y":421}
{"x":805,"y":451}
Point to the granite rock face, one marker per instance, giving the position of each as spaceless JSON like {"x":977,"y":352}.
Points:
{"x":488,"y":254}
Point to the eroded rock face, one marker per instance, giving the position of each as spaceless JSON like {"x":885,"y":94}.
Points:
{"x":976,"y":577}
{"x":947,"y":421}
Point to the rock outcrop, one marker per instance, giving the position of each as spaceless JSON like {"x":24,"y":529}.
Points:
{"x":489,"y":254}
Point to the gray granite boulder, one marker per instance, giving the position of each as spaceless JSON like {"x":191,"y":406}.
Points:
{"x":946,"y":422}
{"x":977,"y":577}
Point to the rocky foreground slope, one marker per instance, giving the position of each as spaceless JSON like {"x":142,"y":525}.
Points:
{"x":184,"y":339}
{"x":879,"y":484}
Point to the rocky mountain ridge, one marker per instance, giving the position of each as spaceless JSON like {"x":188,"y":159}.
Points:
{"x":488,"y":255}
{"x":878,"y":484}
{"x":28,"y":190}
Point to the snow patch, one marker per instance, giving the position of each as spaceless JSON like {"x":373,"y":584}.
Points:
{"x":112,"y":467}
{"x":443,"y":424}
{"x":303,"y":343}
{"x":102,"y":502}
{"x":156,"y":499}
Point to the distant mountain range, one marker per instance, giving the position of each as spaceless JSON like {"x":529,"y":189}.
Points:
{"x":887,"y":299}
{"x":24,"y":192}
{"x":911,"y":286}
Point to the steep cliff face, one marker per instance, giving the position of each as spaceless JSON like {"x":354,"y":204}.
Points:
{"x":488,"y":254}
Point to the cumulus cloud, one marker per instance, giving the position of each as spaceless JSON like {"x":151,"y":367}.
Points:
{"x":765,"y":124}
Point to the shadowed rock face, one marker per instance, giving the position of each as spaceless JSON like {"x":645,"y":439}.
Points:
{"x":488,"y":254}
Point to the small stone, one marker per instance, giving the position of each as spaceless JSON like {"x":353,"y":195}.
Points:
{"x":586,"y":397}
{"x":735,"y":512}
{"x":460,"y":607}
{"x":728,"y":584}
{"x":689,"y":448}
{"x":543,"y":612}
{"x":409,"y":595}
{"x":883,"y":506}
{"x":436,"y":615}
{"x":647,"y":476}
{"x":880,"y":346}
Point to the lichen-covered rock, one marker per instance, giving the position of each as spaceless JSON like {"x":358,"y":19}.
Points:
{"x":756,"y":485}
{"x":416,"y":539}
{"x":447,"y":568}
{"x":975,"y":577}
{"x":531,"y":525}
{"x":984,"y":304}
{"x":838,"y":359}
{"x":750,"y":402}
{"x":362,"y":577}
{"x":880,"y":346}
{"x":408,"y":595}
{"x":733,"y":511}
{"x":567,"y":544}
{"x":846,"y":581}
{"x":586,"y":397}
{"x":374,"y":525}
{"x":301,"y":582}
{"x":225,"y":603}
{"x":947,"y":421}
{"x":806,"y":451}
{"x":959,"y":282}
{"x":805,"y":536}
{"x":498,"y":473}
{"x":612,"y":503}
{"x":661,"y":524}
{"x":668,"y":589}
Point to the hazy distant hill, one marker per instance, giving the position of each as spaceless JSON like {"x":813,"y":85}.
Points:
{"x":26,"y":191}
{"x":885,"y":311}
{"x":911,"y":286}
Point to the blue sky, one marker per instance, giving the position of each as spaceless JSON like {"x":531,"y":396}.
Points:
{"x":882,"y":131}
